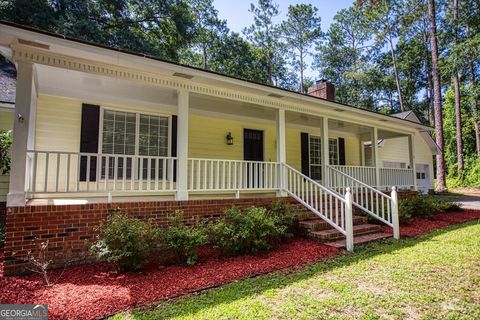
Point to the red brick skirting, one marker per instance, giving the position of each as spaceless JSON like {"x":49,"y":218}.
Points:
{"x":3,"y":212}
{"x":68,"y":228}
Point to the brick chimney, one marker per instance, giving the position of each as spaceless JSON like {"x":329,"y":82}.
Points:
{"x":322,"y":89}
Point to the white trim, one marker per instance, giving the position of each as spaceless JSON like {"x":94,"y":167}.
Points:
{"x":137,"y":129}
{"x":8,"y":107}
{"x":305,"y":104}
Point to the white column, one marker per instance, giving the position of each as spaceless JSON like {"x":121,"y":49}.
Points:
{"x":325,"y":152}
{"x":23,"y":133}
{"x":182,"y":144}
{"x":395,"y":221}
{"x":349,"y":220}
{"x":411,"y":149}
{"x":375,"y":157}
{"x":281,"y":149}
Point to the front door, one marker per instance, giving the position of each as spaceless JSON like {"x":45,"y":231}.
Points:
{"x":252,"y":145}
{"x":253,"y":151}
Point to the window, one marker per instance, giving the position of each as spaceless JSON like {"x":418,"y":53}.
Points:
{"x":315,"y":158}
{"x":333,"y":151}
{"x":316,"y":155}
{"x":120,"y":132}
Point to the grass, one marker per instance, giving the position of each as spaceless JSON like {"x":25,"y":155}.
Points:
{"x":436,"y":276}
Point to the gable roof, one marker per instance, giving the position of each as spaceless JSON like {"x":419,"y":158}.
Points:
{"x":8,"y":79}
{"x":410,"y":115}
{"x":77,"y":44}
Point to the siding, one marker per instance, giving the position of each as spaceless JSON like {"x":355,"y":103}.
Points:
{"x":6,"y":123}
{"x":397,"y":150}
{"x":58,"y":129}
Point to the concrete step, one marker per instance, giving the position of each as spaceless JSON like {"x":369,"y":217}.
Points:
{"x":319,"y":224}
{"x":359,"y":239}
{"x":332,"y":234}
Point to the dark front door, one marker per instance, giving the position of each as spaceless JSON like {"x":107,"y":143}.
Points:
{"x":252,"y":145}
{"x":253,"y":151}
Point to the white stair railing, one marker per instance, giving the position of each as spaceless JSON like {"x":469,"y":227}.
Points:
{"x":374,"y":202}
{"x":334,"y":208}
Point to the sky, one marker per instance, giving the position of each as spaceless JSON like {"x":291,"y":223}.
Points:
{"x":238,"y":17}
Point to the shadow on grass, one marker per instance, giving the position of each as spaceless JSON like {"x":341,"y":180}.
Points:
{"x":277,"y":280}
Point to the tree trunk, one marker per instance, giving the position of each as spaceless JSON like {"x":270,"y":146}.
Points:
{"x":437,"y":99}
{"x":456,"y":85}
{"x":476,"y":120}
{"x":428,"y":75}
{"x":395,"y":73}
{"x":458,"y":122}
{"x":301,"y":72}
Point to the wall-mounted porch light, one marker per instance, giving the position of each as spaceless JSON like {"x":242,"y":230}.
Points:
{"x":229,"y":139}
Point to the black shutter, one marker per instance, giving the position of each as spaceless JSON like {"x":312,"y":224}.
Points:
{"x":341,"y":151}
{"x":305,"y":153}
{"x":174,"y":145}
{"x":89,"y":140}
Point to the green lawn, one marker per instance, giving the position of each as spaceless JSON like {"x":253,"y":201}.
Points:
{"x":436,"y":276}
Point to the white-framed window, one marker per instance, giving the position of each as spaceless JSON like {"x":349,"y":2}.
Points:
{"x":133,"y":134}
{"x":333,"y":151}
{"x":315,"y":154}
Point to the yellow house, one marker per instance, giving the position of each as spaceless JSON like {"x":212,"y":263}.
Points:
{"x":93,"y":124}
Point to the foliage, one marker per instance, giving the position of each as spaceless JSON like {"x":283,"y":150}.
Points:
{"x":301,"y":30}
{"x":285,"y":218}
{"x":5,"y":145}
{"x":423,"y":206}
{"x":417,"y":268}
{"x":127,"y":241}
{"x":183,"y":241}
{"x":250,"y":231}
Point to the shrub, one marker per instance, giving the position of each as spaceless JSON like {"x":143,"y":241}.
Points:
{"x":183,"y":241}
{"x":251,"y":231}
{"x":127,"y":241}
{"x":5,"y":145}
{"x":423,"y":206}
{"x":285,"y":217}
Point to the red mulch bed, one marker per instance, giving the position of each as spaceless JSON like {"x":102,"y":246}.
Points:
{"x":419,"y":226}
{"x":95,"y":290}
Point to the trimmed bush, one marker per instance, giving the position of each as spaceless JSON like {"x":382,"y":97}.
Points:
{"x":285,"y":217}
{"x":248,"y":232}
{"x":126,"y":241}
{"x":182,"y":241}
{"x":423,"y":206}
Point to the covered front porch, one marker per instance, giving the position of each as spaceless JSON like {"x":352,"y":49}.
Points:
{"x":112,"y":138}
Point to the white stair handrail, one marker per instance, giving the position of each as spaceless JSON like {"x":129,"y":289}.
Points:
{"x":329,"y":205}
{"x":376,"y":203}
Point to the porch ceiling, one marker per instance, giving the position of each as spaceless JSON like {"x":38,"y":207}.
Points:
{"x":96,"y":88}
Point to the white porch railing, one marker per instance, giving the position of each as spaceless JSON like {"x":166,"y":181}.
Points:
{"x":71,"y":172}
{"x":328,"y":205}
{"x":232,"y":175}
{"x":374,"y":202}
{"x":365,"y":174}
{"x":401,"y":178}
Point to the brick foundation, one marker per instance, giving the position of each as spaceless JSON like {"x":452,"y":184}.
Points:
{"x":3,"y":212}
{"x":69,"y":227}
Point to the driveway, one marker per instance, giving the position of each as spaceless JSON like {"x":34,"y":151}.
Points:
{"x":468,"y":200}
